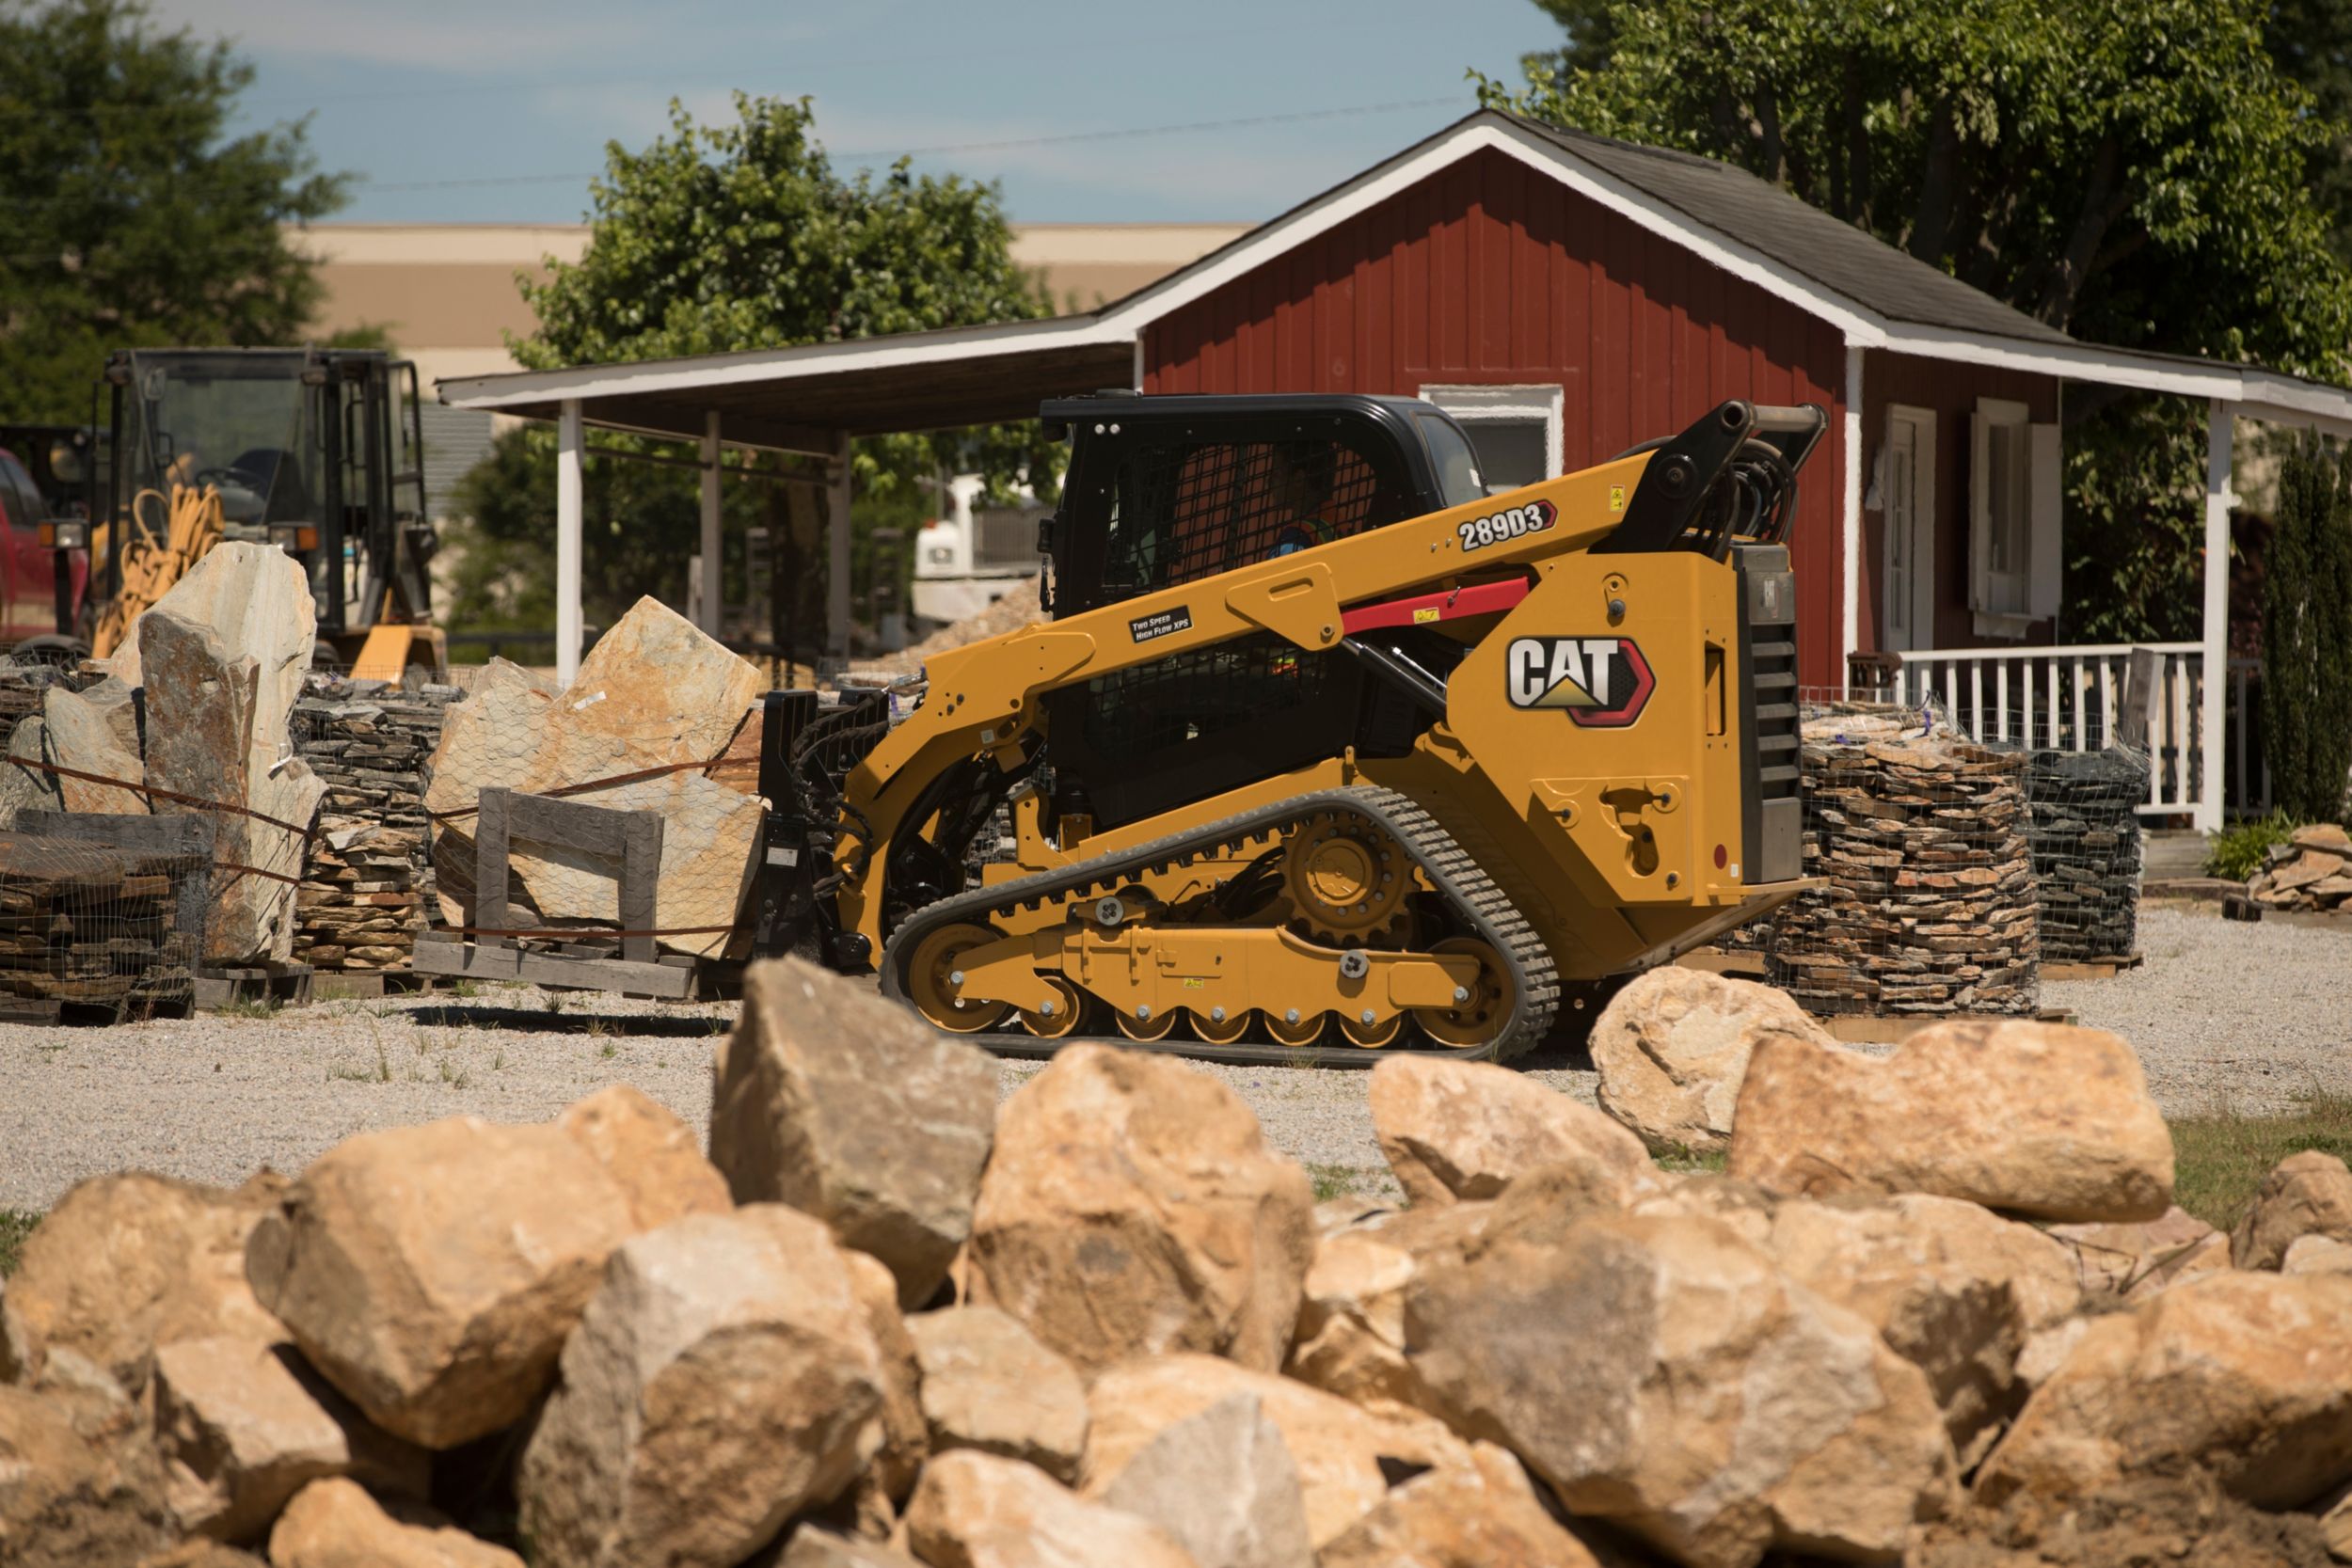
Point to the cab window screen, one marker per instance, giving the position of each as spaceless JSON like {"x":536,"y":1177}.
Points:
{"x":1181,"y":510}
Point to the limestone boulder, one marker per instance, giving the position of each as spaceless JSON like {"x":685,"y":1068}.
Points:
{"x":1462,"y":1130}
{"x":898,"y":1376}
{"x":1482,"y":1514}
{"x":2245,"y":1375}
{"x":848,"y":1107}
{"x":988,"y":1385}
{"x":2317,"y":1255}
{"x":2335,"y":1523}
{"x":1224,"y":1485}
{"x":1951,"y":1288}
{"x":979,"y":1510}
{"x":221,"y":659}
{"x":650,"y":1154}
{"x":2041,"y":1119}
{"x":812,"y":1547}
{"x":1344,"y":1454}
{"x":124,"y":1263}
{"x":201,"y":1553}
{"x":723,"y":1378}
{"x":431,"y":1274}
{"x":79,"y":1482}
{"x":2136,"y":1260}
{"x":240,"y":1431}
{"x":1350,"y":1338}
{"x":23,"y":785}
{"x":94,"y":732}
{"x":2308,"y":1193}
{"x":336,"y":1524}
{"x":1131,"y":1207}
{"x":653,"y":694}
{"x":1672,"y":1050}
{"x":1658,"y":1372}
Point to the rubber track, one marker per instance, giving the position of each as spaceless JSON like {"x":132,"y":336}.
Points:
{"x":1448,"y":866}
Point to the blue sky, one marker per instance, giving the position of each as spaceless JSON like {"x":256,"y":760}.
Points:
{"x":496,"y":110}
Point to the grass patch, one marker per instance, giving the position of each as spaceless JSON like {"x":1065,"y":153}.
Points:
{"x":251,"y":1006}
{"x":15,"y":1225}
{"x":2237,"y":852}
{"x":1335,"y":1181}
{"x":2220,"y":1159}
{"x":1684,"y":1162}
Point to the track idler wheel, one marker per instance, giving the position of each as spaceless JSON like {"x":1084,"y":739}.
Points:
{"x":932,"y":980}
{"x":1479,"y":1017}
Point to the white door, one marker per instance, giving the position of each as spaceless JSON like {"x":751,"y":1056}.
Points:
{"x":1909,"y":519}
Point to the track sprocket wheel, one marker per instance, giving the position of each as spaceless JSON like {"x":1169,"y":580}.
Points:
{"x":931,"y":983}
{"x":1348,"y":880}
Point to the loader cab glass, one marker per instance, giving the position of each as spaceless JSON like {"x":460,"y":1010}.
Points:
{"x":239,"y":421}
{"x":1198,"y":486}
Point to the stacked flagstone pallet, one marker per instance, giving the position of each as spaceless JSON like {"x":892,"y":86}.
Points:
{"x":96,"y":924}
{"x":2313,"y":870}
{"x":368,"y":881}
{"x":2084,"y":829}
{"x":1930,"y":907}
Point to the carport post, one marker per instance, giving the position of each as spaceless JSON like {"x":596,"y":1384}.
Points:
{"x":837,"y":557}
{"x":567,"y":450}
{"x":2220,"y":431}
{"x":711,"y":577}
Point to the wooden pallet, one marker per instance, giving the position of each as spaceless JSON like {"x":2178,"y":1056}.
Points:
{"x":288,"y":984}
{"x":1746,"y":965}
{"x":2091,"y":969}
{"x":1885,"y":1029}
{"x":670,"y":977}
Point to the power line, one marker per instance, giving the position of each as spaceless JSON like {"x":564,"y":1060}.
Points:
{"x":1129,"y":134}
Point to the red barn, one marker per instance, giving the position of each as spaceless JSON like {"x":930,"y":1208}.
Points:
{"x":1567,"y":295}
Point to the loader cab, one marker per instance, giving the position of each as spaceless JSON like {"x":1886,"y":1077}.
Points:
{"x":1163,"y":490}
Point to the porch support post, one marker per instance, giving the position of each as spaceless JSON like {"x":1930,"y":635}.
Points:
{"x":712,"y":544}
{"x":568,"y":443}
{"x":2220,"y":428}
{"x":1849,"y":530}
{"x":837,"y":557}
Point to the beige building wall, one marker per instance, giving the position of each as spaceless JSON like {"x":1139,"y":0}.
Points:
{"x":445,"y":292}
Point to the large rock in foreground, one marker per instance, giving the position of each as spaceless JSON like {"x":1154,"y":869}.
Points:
{"x":432,"y":1273}
{"x":335,"y":1524}
{"x":848,"y":1107}
{"x":1131,"y":1207}
{"x":1224,"y":1485}
{"x":653,"y":694}
{"x":2139,"y":1259}
{"x":1658,"y":1372}
{"x":652,"y":1156}
{"x":1483,"y":1515}
{"x":1672,"y":1050}
{"x":980,"y":1510}
{"x":2041,"y":1119}
{"x":1345,"y":1455}
{"x":1350,"y":1338}
{"x":239,"y":1435}
{"x":988,"y":1385}
{"x":125,"y":1263}
{"x":2247,"y":1376}
{"x":1464,"y":1130}
{"x":79,"y":1482}
{"x":721,"y":1379}
{"x":2305,"y":1195}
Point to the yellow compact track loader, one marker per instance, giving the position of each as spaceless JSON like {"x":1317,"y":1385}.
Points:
{"x":1323,"y":744}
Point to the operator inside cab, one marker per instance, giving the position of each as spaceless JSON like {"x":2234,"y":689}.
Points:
{"x":1303,"y":475}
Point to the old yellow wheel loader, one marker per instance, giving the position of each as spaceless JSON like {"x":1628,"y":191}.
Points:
{"x":1323,"y":744}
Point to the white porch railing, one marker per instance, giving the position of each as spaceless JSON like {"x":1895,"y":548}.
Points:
{"x":2072,"y":699}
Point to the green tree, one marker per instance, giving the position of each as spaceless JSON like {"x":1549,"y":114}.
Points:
{"x":2307,"y":636}
{"x":740,"y":236}
{"x":2133,"y":172}
{"x":2311,"y":41}
{"x":133,"y":218}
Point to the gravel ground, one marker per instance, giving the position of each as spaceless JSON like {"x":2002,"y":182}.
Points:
{"x":2245,"y":1017}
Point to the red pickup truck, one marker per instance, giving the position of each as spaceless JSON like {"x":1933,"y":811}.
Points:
{"x":28,"y":572}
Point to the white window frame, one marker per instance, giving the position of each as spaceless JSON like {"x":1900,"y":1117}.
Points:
{"x":1488,"y":402}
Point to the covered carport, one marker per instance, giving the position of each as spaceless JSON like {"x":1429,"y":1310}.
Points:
{"x":807,"y":403}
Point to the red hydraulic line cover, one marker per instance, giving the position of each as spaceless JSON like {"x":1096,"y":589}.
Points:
{"x":1484,"y":598}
